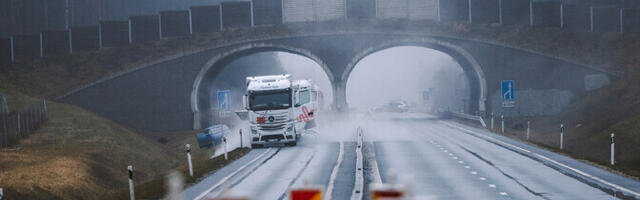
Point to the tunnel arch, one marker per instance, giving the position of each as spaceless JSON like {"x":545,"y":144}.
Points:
{"x":469,"y":64}
{"x":214,"y":66}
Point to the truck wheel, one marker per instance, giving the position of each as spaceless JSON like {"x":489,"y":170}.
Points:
{"x":292,"y":144}
{"x":256,"y":146}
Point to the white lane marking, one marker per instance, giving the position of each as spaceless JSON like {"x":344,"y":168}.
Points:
{"x":455,"y":158}
{"x":461,"y":162}
{"x":446,"y":151}
{"x":620,"y":188}
{"x":474,"y":172}
{"x":483,"y":178}
{"x":334,"y":173}
{"x":226,"y":178}
{"x":450,"y":154}
{"x":467,"y":167}
{"x":492,"y":186}
{"x":503,"y":193}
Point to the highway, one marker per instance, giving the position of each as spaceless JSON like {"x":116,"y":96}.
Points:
{"x":432,"y":158}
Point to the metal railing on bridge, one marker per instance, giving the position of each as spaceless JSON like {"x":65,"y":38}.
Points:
{"x":613,"y":16}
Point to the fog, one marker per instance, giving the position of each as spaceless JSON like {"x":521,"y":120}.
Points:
{"x":404,"y":73}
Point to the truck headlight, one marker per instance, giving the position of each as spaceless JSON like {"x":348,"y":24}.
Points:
{"x":290,"y":128}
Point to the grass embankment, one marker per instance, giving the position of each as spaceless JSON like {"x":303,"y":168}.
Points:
{"x":79,"y":155}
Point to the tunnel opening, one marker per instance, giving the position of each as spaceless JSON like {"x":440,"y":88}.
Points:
{"x":229,"y":72}
{"x":423,"y":78}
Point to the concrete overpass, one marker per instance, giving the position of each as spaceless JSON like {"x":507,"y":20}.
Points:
{"x":174,"y":93}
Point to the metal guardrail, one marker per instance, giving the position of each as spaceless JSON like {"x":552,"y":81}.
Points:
{"x":466,"y":117}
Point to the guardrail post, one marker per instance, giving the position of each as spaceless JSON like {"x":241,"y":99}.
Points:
{"x":502,"y":117}
{"x":132,"y":195}
{"x":561,"y":136}
{"x":613,"y":144}
{"x":528,"y":129}
{"x":189,"y":160}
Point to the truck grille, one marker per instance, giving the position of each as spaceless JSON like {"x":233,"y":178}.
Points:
{"x":271,"y":127}
{"x":271,"y":137}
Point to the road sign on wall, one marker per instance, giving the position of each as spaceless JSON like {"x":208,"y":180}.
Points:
{"x":224,"y":102}
{"x":508,"y":96}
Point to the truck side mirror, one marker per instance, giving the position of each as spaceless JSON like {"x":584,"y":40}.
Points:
{"x":296,"y":100}
{"x":245,"y":102}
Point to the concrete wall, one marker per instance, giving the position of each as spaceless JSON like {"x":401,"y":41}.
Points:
{"x":546,"y":14}
{"x":55,"y":43}
{"x":454,"y":10}
{"x":515,"y":12}
{"x":114,"y":33}
{"x":5,"y":50}
{"x":266,"y":12}
{"x":175,"y":23}
{"x":206,"y":19}
{"x":576,"y":17}
{"x":361,"y":9}
{"x":236,"y":14}
{"x":605,"y":19}
{"x":85,"y":38}
{"x":485,"y":11}
{"x":26,"y":46}
{"x":145,"y":28}
{"x":631,"y":20}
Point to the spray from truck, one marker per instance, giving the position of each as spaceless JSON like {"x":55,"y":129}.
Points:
{"x":279,"y":109}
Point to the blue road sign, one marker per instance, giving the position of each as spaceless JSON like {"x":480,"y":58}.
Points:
{"x":508,"y":96}
{"x":224,"y":101}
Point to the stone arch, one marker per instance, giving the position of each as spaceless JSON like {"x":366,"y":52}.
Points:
{"x":469,"y":64}
{"x":201,"y":109}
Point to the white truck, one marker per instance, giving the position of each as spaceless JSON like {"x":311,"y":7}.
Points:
{"x":279,"y":109}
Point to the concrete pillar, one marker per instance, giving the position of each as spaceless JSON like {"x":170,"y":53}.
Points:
{"x":340,"y":96}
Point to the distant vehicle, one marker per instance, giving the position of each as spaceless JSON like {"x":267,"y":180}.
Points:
{"x":279,"y":109}
{"x":393,"y":106}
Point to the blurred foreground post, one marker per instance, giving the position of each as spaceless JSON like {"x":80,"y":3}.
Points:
{"x":491,"y":121}
{"x":613,"y":144}
{"x":502,"y":117}
{"x":189,"y":160}
{"x":224,"y":139}
{"x":132,"y":196}
{"x":528,"y":129}
{"x":241,"y":139}
{"x":561,"y":135}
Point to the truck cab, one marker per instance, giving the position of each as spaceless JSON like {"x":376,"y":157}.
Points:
{"x":279,"y":109}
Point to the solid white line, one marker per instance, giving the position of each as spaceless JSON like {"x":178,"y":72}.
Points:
{"x":334,"y":173}
{"x":620,"y":188}
{"x":225,"y":179}
{"x":358,"y":186}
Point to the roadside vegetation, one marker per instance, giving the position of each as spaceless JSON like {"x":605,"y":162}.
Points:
{"x":80,"y":155}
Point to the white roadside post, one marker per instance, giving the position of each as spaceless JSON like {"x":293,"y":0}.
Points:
{"x":491,"y":121}
{"x":613,"y":144}
{"x":561,"y":135}
{"x":528,"y":129}
{"x":502,"y":117}
{"x":132,"y":195}
{"x":224,"y":139}
{"x":189,"y":160}
{"x":241,"y":146}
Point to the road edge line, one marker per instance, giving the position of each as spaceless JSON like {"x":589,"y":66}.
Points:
{"x":537,"y":156}
{"x":334,"y":173}
{"x":226,"y":178}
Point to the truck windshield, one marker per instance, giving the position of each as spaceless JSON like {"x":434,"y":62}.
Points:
{"x":270,"y":100}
